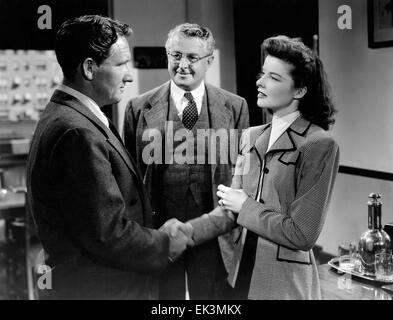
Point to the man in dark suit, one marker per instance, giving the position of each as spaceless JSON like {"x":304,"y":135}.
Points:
{"x":179,"y":115}
{"x":84,"y":190}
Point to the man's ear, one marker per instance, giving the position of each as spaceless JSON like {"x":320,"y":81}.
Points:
{"x":88,"y":68}
{"x":300,"y":93}
{"x":210,"y":61}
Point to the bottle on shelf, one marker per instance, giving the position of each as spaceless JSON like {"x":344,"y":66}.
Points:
{"x":375,"y":239}
{"x":3,"y":190}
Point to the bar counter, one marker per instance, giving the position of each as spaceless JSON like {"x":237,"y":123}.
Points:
{"x":339,"y":286}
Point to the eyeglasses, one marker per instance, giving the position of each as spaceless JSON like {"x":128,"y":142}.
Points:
{"x":191,"y":59}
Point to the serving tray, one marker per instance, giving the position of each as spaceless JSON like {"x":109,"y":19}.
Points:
{"x":334,"y":263}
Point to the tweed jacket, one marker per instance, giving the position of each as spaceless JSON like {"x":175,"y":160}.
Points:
{"x":298,"y":171}
{"x":92,"y":212}
{"x":150,"y":111}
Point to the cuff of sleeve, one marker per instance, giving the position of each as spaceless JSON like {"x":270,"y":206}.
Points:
{"x":249,"y":212}
{"x":197,"y":224}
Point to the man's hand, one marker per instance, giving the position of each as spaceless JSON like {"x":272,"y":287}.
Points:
{"x":174,"y":226}
{"x":180,"y":235}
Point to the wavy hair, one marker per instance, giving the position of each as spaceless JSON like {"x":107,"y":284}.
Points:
{"x":89,"y":36}
{"x":316,"y":105}
{"x":193,"y":30}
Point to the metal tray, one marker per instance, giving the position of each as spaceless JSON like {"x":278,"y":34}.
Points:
{"x":356,"y":271}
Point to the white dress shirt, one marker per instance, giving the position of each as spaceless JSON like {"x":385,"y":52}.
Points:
{"x":181,"y":102}
{"x":280,"y":124}
{"x":88,"y":102}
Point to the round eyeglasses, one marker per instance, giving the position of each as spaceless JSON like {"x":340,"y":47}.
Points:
{"x":191,"y":59}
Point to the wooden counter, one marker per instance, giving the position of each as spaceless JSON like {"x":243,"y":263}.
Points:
{"x":337,"y":286}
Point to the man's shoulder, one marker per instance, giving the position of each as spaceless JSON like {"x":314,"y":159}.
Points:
{"x":59,"y":117}
{"x":227,"y":94}
{"x":155,"y":93}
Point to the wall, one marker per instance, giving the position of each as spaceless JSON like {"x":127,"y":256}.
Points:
{"x":347,"y":214}
{"x":362,"y":87}
{"x":217,"y":15}
{"x":152,"y":19}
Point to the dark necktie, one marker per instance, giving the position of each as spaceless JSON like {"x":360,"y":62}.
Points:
{"x":190,"y":112}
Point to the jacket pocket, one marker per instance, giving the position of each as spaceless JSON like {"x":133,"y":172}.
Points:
{"x":295,"y":256}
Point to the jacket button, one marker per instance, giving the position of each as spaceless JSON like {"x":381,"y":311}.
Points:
{"x":265,"y":170}
{"x":153,"y":213}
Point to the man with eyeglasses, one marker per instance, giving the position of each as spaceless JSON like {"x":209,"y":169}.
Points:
{"x":186,"y":190}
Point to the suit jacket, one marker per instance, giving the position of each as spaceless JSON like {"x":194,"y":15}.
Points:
{"x":299,"y":174}
{"x":92,"y":213}
{"x":150,"y":111}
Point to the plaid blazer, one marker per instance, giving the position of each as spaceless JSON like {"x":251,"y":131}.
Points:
{"x":299,"y":174}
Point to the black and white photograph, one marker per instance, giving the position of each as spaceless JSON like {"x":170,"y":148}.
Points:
{"x":201,"y":155}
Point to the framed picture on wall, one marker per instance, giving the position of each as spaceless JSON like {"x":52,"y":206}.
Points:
{"x":380,"y":23}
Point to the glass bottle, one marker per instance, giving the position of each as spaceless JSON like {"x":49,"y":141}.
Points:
{"x":3,"y":190}
{"x":375,"y":239}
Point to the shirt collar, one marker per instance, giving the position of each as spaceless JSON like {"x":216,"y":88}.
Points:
{"x":280,"y":124}
{"x":286,"y":120}
{"x":88,"y":102}
{"x":178,"y":93}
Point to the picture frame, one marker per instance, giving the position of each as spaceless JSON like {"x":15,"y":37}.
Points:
{"x":380,"y":23}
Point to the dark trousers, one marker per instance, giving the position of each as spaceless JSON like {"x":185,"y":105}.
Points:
{"x":206,"y":274}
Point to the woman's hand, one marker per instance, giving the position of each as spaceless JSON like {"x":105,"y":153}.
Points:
{"x":231,"y":199}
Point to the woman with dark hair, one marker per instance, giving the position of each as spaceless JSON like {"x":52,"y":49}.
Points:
{"x":283,"y":180}
{"x":306,"y":71}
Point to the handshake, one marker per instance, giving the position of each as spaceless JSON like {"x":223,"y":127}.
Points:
{"x":180,"y":236}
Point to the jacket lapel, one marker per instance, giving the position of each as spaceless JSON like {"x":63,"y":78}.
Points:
{"x":119,"y":147}
{"x":219,"y":117}
{"x":262,"y":142}
{"x":156,"y":111}
{"x":63,"y":98}
{"x":287,"y":141}
{"x":300,"y":126}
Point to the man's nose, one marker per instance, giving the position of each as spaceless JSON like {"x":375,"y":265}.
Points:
{"x":184,"y":63}
{"x":128,"y":78}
